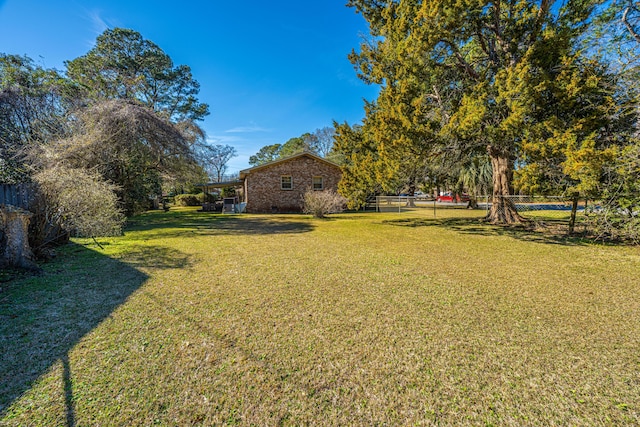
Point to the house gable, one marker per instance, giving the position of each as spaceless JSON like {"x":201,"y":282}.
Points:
{"x":280,"y":185}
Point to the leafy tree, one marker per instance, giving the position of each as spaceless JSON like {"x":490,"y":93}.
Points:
{"x":33,"y":103}
{"x":464,"y":69}
{"x":128,"y":144}
{"x":359,"y":180}
{"x":617,"y":36}
{"x":475,"y":175}
{"x":267,"y":154}
{"x":295,"y":146}
{"x":577,"y":129}
{"x":124,"y":65}
{"x":390,"y":152}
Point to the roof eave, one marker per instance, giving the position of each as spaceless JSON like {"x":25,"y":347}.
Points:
{"x":244,"y":173}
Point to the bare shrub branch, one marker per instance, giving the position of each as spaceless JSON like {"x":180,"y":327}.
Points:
{"x":322,"y":203}
{"x":80,"y":202}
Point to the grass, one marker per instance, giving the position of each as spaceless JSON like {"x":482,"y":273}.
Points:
{"x":361,"y":319}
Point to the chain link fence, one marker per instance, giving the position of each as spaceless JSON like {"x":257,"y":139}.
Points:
{"x":407,"y":203}
{"x":536,"y":208}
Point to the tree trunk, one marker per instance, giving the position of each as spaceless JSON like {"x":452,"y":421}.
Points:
{"x":411,"y":193}
{"x":14,"y":247}
{"x":503,"y":210}
{"x":574,"y":211}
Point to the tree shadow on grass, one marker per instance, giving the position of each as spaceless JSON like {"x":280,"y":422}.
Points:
{"x":43,"y":317}
{"x":547,"y":232}
{"x":158,"y":257}
{"x":183,"y":224}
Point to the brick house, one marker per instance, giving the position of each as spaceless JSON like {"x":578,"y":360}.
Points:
{"x":278,"y":186}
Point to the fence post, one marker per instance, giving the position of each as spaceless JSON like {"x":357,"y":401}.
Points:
{"x":574,"y":210}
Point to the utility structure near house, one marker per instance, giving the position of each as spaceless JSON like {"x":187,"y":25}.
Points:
{"x":279,"y":186}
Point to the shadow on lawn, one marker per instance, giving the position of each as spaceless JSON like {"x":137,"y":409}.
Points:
{"x":43,"y":317}
{"x":158,"y":257}
{"x":182,"y":224}
{"x":547,"y":232}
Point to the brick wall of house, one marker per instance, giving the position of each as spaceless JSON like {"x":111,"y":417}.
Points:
{"x":263,"y":186}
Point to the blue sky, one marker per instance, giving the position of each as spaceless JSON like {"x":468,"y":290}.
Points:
{"x":269,"y":70}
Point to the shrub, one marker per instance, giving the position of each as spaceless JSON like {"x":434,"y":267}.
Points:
{"x":610,"y":222}
{"x":79,"y":202}
{"x":187,"y":200}
{"x":228,"y":192}
{"x":617,"y":217}
{"x":322,"y":203}
{"x":206,"y":198}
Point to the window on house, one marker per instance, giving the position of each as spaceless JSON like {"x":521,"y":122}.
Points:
{"x":286,"y":183}
{"x":317,"y":183}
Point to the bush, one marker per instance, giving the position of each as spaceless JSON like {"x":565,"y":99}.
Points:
{"x":322,"y":203}
{"x":79,"y":202}
{"x":610,"y":222}
{"x":206,"y":198}
{"x":187,"y":200}
{"x":617,"y":217}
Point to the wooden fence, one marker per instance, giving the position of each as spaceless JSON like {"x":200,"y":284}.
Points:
{"x":20,"y":195}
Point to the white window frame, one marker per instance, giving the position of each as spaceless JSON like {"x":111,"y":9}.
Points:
{"x":282,"y":178}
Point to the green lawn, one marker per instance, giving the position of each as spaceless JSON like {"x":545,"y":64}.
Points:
{"x":362,"y":319}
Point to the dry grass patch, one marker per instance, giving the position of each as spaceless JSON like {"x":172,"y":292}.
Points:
{"x":362,"y":319}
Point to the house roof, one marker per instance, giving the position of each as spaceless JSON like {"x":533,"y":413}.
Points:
{"x":244,"y":173}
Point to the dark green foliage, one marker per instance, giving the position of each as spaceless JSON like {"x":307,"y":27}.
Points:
{"x":228,"y":192}
{"x":267,"y":154}
{"x":460,"y":79}
{"x":320,"y":143}
{"x":360,"y":179}
{"x":33,"y":102}
{"x":207,"y":198}
{"x":187,"y":200}
{"x":294,"y":146}
{"x":124,"y":65}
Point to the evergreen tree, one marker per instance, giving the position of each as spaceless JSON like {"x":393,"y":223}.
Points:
{"x":124,"y":65}
{"x":458,"y":75}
